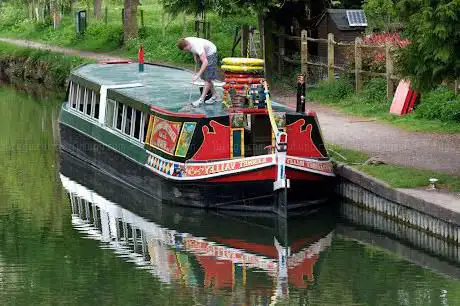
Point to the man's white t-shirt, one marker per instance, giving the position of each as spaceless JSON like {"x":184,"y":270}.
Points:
{"x":200,"y":45}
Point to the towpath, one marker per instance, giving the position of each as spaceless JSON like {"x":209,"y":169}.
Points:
{"x":439,"y":152}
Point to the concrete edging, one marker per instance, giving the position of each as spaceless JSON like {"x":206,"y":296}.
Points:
{"x":399,"y":196}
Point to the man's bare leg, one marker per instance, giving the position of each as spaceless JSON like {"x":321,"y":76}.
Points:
{"x":213,"y":90}
{"x":207,"y":87}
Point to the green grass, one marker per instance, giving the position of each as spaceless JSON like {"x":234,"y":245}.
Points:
{"x":159,"y":35}
{"x":371,"y":103}
{"x":395,"y":176}
{"x":44,"y":67}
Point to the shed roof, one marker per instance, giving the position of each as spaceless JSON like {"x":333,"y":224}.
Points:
{"x":339,"y":17}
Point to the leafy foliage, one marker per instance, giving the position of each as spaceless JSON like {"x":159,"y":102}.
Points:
{"x":434,"y":30}
{"x":380,"y":14}
{"x":221,"y":7}
{"x":440,"y":103}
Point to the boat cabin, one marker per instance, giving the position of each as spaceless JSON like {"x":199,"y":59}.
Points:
{"x":153,"y":108}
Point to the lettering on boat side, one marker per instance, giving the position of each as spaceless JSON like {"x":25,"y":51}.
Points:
{"x":310,"y":164}
{"x":201,"y":170}
{"x":164,"y":135}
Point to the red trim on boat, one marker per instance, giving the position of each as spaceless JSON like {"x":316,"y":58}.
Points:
{"x":300,"y":175}
{"x":168,"y":113}
{"x":115,"y":62}
{"x":255,"y":248}
{"x":254,"y":175}
{"x":247,"y":110}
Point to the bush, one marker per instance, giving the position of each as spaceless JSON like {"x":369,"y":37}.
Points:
{"x":375,"y":90}
{"x":441,"y":104}
{"x":333,"y":91}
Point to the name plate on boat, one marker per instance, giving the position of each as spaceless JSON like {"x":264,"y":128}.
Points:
{"x":227,"y":166}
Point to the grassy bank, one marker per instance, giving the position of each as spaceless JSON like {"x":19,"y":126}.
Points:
{"x":395,"y":176}
{"x":437,"y":111}
{"x":43,"y":67}
{"x":159,"y":34}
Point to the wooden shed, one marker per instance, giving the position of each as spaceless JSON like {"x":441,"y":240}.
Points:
{"x":345,"y":24}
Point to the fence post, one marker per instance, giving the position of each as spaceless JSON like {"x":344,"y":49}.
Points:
{"x":281,"y":51}
{"x":358,"y":64}
{"x":389,"y":69}
{"x":330,"y":56}
{"x":142,"y":18}
{"x":304,"y":53}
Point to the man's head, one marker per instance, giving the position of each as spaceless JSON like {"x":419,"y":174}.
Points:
{"x":183,"y":44}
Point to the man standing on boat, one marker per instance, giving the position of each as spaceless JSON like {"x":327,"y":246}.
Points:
{"x":205,"y":53}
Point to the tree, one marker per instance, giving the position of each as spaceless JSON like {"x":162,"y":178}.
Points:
{"x":380,"y":14}
{"x":130,"y":30}
{"x":433,"y":27}
{"x":98,"y":9}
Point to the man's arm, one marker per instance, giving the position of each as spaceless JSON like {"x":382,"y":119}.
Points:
{"x":195,"y":58}
{"x":204,"y":63}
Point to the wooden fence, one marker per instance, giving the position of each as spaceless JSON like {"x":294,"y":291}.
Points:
{"x":359,"y":49}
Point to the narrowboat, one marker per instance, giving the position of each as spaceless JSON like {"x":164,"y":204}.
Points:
{"x":257,"y":258}
{"x":138,"y":126}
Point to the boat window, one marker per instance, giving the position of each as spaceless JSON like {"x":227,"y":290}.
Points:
{"x":88,"y":100}
{"x":119,"y":115}
{"x":81,"y":102}
{"x":96,"y":105}
{"x":84,"y":100}
{"x":77,"y":96}
{"x":126,"y":119}
{"x":128,"y":116}
{"x":71,"y":95}
{"x":110,"y":113}
{"x":137,"y":124}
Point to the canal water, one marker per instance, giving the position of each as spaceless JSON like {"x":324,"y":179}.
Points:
{"x":70,"y":236}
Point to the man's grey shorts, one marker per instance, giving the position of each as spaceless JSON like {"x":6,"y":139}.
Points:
{"x":211,"y":71}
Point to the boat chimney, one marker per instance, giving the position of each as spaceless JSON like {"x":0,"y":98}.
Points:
{"x":141,"y":58}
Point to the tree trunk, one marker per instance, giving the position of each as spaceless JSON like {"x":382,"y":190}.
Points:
{"x":98,"y":9}
{"x":130,"y":20}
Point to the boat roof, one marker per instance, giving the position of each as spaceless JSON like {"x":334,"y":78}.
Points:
{"x":164,"y":87}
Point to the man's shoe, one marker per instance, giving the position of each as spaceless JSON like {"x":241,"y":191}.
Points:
{"x":197,"y":103}
{"x":211,"y":100}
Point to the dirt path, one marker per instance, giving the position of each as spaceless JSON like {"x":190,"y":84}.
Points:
{"x":68,"y":51}
{"x":440,"y":152}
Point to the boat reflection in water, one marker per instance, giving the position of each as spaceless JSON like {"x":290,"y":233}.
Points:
{"x":195,"y":247}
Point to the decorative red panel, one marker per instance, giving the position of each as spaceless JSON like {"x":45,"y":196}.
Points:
{"x":165,"y":134}
{"x":300,"y":142}
{"x":216,"y":144}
